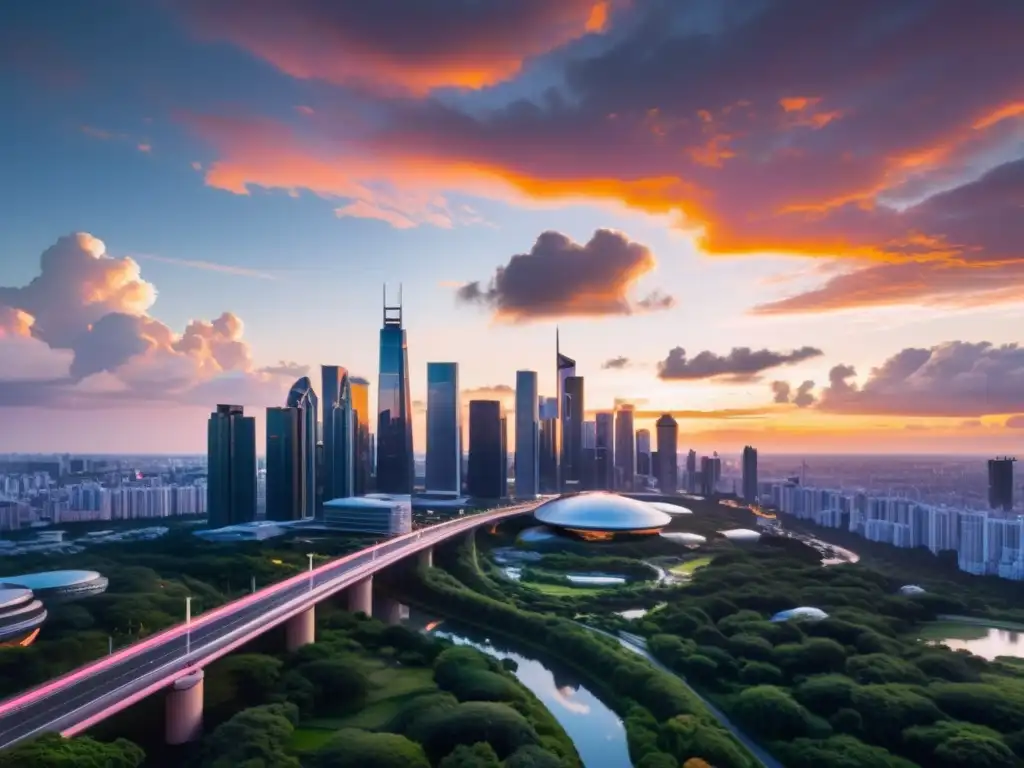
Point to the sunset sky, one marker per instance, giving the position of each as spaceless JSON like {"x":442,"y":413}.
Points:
{"x":793,"y":223}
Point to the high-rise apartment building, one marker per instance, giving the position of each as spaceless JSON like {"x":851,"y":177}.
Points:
{"x":749,"y":474}
{"x":667,"y":471}
{"x":547,"y":443}
{"x":565,"y":368}
{"x":362,"y":456}
{"x":444,"y":429}
{"x":643,"y":452}
{"x":527,"y":435}
{"x":604,"y":451}
{"x":302,"y":397}
{"x":1000,"y":483}
{"x":285,"y":473}
{"x":710,"y":474}
{"x":487,"y":475}
{"x":395,"y":468}
{"x":573,"y":410}
{"x":625,"y":448}
{"x":231,"y":467}
{"x":338,"y":430}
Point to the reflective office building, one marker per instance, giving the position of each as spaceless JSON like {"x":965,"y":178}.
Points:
{"x":231,"y":467}
{"x":395,"y":469}
{"x":667,"y":469}
{"x":303,"y":397}
{"x":285,"y":476}
{"x":362,"y":456}
{"x":487,"y":475}
{"x":338,"y":432}
{"x":604,"y":451}
{"x":565,"y":368}
{"x":625,"y":448}
{"x":572,"y":434}
{"x":444,"y":429}
{"x":547,"y":442}
{"x":527,"y":435}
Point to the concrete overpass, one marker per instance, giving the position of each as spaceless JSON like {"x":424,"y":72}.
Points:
{"x":174,"y":658}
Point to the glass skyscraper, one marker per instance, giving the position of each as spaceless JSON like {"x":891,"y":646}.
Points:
{"x":750,"y":474}
{"x":444,"y":429}
{"x":527,"y":435}
{"x":303,"y":397}
{"x":285,"y":472}
{"x":565,"y":367}
{"x":547,"y":444}
{"x":231,"y":467}
{"x":572,"y":434}
{"x":625,"y":448}
{"x":604,"y":453}
{"x":667,"y":469}
{"x":338,"y":432}
{"x":487,"y":475}
{"x":361,"y":453}
{"x":395,"y":469}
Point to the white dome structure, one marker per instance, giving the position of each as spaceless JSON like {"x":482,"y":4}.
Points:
{"x":803,"y":613}
{"x":909,"y":590}
{"x":689,"y":539}
{"x":670,"y":509}
{"x":741,"y":535}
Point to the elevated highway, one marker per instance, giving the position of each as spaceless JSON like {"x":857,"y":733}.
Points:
{"x":175,"y":657}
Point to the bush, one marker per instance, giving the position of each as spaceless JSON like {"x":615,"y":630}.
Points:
{"x":882,"y":668}
{"x":353,"y":748}
{"x":52,"y":750}
{"x":479,"y":755}
{"x":825,"y":694}
{"x":418,"y":707}
{"x":499,"y":725}
{"x":772,"y":714}
{"x":339,"y":684}
{"x":760,"y":673}
{"x":532,"y":756}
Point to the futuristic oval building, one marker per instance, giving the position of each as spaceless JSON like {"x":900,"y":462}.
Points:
{"x":803,"y":613}
{"x":21,"y":615}
{"x":601,"y":516}
{"x":59,"y":586}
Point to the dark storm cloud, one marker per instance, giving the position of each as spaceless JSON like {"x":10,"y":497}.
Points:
{"x":561,"y":278}
{"x":803,"y":397}
{"x":615,"y":364}
{"x":741,"y":365}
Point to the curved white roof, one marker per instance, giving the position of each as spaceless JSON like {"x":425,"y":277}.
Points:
{"x":803,"y":613}
{"x":669,"y":508}
{"x":51,"y":579}
{"x":365,"y":502}
{"x":11,"y":596}
{"x":537,"y":533}
{"x":911,"y":589}
{"x":741,"y":535}
{"x":600,"y":511}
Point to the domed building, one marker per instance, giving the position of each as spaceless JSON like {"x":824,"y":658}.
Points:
{"x":687,"y":539}
{"x":601,"y":516}
{"x":59,"y":586}
{"x":803,"y":613}
{"x":669,"y":508}
{"x":909,"y":590}
{"x":21,"y":615}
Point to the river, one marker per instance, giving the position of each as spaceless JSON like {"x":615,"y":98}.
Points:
{"x":975,"y":635}
{"x":597,"y":732}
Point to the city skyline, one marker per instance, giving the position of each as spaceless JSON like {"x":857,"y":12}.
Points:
{"x":757,"y":252}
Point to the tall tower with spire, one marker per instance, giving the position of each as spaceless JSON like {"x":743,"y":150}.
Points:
{"x":565,"y":368}
{"x":395,"y":469}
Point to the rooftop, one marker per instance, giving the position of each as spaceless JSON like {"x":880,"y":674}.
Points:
{"x":601,"y":511}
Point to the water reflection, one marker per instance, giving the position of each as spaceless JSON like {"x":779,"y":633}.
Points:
{"x":987,"y":642}
{"x":597,"y":732}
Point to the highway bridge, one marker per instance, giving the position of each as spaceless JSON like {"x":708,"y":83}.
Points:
{"x":173,"y":659}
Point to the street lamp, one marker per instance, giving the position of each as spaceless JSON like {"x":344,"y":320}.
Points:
{"x":188,"y":625}
{"x":310,"y":556}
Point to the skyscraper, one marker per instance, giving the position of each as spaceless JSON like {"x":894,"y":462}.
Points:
{"x":286,"y":478}
{"x":547,"y":443}
{"x":444,"y":429}
{"x":361,"y":453}
{"x":604,"y":451}
{"x":338,"y":432}
{"x":572,"y":434}
{"x":565,"y":367}
{"x":625,"y":450}
{"x":589,"y":472}
{"x":1000,"y":483}
{"x":667,"y":471}
{"x":643,"y":452}
{"x":691,"y":471}
{"x":303,"y":397}
{"x":395,"y":470}
{"x":527,"y":435}
{"x":749,"y":474}
{"x":231,"y":467}
{"x":487,"y":476}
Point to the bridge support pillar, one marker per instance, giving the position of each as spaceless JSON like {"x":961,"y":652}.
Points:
{"x":184,"y":713}
{"x":360,"y":596}
{"x":300,"y":630}
{"x":425,"y":558}
{"x":391,"y":610}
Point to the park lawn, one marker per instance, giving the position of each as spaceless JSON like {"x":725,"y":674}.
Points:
{"x":944,"y":630}
{"x":690,"y":566}
{"x":391,"y":688}
{"x":563,"y":590}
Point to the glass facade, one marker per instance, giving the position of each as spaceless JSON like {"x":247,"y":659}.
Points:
{"x":231,"y":467}
{"x":444,"y":429}
{"x":750,"y":474}
{"x":285,"y":476}
{"x":395,"y":469}
{"x":361,"y":453}
{"x":572,"y":434}
{"x":527,"y":450}
{"x":565,"y":368}
{"x":338,"y":432}
{"x":604,"y":452}
{"x":667,"y":470}
{"x":625,"y":449}
{"x":487,"y":476}
{"x":547,"y":442}
{"x":303,"y":397}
